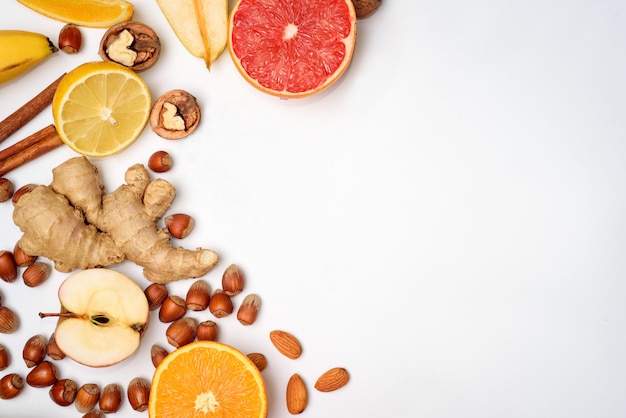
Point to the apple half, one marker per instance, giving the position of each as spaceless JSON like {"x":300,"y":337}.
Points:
{"x":103,"y":317}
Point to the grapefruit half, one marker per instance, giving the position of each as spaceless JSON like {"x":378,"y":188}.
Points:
{"x":292,"y":48}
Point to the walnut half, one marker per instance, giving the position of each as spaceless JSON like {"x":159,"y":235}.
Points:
{"x":131,"y":44}
{"x":175,"y":115}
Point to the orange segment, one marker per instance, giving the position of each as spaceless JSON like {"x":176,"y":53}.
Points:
{"x":292,"y":49}
{"x":100,"y":108}
{"x":207,"y":379}
{"x":89,"y":13}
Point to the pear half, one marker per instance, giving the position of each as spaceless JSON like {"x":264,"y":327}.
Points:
{"x":200,"y":25}
{"x":103,"y":317}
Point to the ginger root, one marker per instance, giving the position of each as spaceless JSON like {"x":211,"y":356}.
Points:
{"x":126,"y":217}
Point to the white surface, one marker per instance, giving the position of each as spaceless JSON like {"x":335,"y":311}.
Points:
{"x":446,"y":222}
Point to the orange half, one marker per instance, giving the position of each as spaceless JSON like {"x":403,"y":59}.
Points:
{"x":89,"y":13}
{"x":207,"y":379}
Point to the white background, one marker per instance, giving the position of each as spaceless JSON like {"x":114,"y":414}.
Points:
{"x":447,"y":221}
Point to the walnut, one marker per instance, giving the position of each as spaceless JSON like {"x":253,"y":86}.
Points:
{"x":131,"y":44}
{"x":175,"y":115}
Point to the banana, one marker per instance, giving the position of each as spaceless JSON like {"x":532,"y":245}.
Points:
{"x":20,"y":51}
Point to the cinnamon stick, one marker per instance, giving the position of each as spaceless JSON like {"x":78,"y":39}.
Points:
{"x":29,"y":148}
{"x":29,"y":110}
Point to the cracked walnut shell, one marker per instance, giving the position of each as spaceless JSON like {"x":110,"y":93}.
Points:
{"x":131,"y":44}
{"x":175,"y":114}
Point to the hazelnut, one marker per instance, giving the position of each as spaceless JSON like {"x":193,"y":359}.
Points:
{"x":157,"y":353}
{"x":249,"y":309}
{"x":160,"y":162}
{"x":34,"y":350}
{"x":5,"y":360}
{"x":365,"y":8}
{"x":52,"y":349}
{"x":111,"y":398}
{"x":36,"y":274}
{"x":207,"y":331}
{"x":11,"y":385}
{"x":6,"y":189}
{"x":131,"y":44}
{"x":27,"y":188}
{"x":8,"y":267}
{"x":175,"y":115}
{"x":70,"y":39}
{"x":94,"y":413}
{"x":87,"y":397}
{"x":63,"y":392}
{"x":232,"y":280}
{"x":198,"y":295}
{"x":179,"y":225}
{"x":259,"y":360}
{"x":181,"y":331}
{"x":21,"y":258}
{"x":42,"y":375}
{"x":156,"y":293}
{"x":220,"y":304}
{"x":138,"y":392}
{"x":173,"y":308}
{"x":9,"y":322}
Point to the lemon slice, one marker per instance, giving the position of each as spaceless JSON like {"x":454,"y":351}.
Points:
{"x":100,"y":108}
{"x":89,"y":13}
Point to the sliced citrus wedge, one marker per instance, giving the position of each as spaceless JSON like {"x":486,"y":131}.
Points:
{"x":89,"y":13}
{"x":207,"y":379}
{"x":100,"y":108}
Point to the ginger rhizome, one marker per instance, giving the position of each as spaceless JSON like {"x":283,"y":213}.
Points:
{"x":75,"y":224}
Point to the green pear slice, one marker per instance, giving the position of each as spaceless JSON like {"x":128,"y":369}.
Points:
{"x":103,"y":316}
{"x":200,"y":25}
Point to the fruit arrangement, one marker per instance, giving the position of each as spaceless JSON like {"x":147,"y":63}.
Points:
{"x":76,"y":226}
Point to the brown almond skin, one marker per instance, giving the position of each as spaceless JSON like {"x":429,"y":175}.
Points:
{"x":333,"y":379}
{"x":296,"y":395}
{"x":259,"y":360}
{"x":286,"y":344}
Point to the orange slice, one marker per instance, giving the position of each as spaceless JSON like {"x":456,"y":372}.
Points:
{"x":89,"y":13}
{"x":207,"y":379}
{"x":100,"y":108}
{"x":292,"y":49}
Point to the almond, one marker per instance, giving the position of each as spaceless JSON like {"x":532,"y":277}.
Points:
{"x":296,"y":395}
{"x":333,"y":379}
{"x":259,"y":360}
{"x":286,"y":344}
